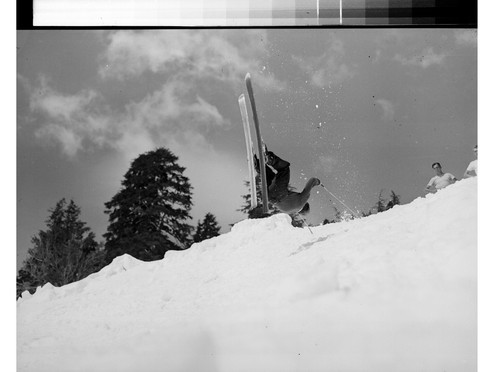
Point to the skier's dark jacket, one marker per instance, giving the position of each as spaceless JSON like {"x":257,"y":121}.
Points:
{"x":277,"y":182}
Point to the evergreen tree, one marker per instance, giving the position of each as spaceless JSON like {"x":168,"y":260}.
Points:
{"x":394,"y":200}
{"x":380,"y":205}
{"x":245,"y":208}
{"x":337,"y":216}
{"x":25,"y":281}
{"x":148,"y":215}
{"x":64,"y":253}
{"x":206,"y":229}
{"x":366,"y":214}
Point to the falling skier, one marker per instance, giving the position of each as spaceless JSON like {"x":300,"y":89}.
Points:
{"x":280,"y":195}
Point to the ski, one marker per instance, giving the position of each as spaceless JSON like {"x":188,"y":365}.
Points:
{"x":249,"y":146}
{"x":260,"y":148}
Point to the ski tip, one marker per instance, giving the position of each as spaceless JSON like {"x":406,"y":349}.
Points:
{"x":247,"y":76}
{"x":241,"y":97}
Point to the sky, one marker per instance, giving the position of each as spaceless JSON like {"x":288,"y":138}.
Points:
{"x":364,"y":110}
{"x":271,"y":297}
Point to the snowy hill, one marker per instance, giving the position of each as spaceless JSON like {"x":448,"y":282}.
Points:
{"x":394,"y":291}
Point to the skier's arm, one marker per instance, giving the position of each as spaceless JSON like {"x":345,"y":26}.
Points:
{"x":430,"y":186}
{"x":269,"y":173}
{"x":469,"y":173}
{"x":279,"y":164}
{"x":256,"y":163}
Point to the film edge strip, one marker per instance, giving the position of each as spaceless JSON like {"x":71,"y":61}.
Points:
{"x":248,"y":13}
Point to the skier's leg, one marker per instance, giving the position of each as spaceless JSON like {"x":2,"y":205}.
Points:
{"x":283,"y":178}
{"x":306,"y":192}
{"x":309,"y":185}
{"x":294,"y":201}
{"x":279,"y":188}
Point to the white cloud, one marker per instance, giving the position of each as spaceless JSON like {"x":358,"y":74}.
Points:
{"x":81,"y":122}
{"x":466,"y":37}
{"x":207,"y":54}
{"x":70,"y":141}
{"x":425,"y":59}
{"x":387,"y":109}
{"x":329,"y":68}
{"x":66,"y":119}
{"x":59,"y":106}
{"x":176,"y":104}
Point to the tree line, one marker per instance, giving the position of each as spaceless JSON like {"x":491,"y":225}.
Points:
{"x":148,"y":216}
{"x":381,"y":205}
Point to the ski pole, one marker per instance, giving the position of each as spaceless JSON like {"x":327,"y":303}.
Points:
{"x":305,"y":223}
{"x":350,"y":210}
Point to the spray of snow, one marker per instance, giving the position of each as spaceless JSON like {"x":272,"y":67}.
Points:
{"x":394,"y":291}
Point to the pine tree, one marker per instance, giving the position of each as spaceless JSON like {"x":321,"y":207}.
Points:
{"x":380,"y":205}
{"x":64,"y":253}
{"x":148,"y":215}
{"x":366,"y":214}
{"x":246,"y":207}
{"x":206,"y":229}
{"x":337,"y":216}
{"x":394,"y":200}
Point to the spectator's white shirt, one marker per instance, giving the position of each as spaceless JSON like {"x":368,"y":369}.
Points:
{"x":440,"y":182}
{"x":472,"y":166}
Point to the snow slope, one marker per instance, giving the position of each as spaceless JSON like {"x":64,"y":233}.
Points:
{"x":394,"y":291}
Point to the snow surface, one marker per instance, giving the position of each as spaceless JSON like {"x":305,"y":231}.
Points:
{"x":394,"y":291}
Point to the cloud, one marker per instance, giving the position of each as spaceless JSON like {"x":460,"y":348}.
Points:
{"x":175,"y":103}
{"x":66,"y":119}
{"x":70,"y":141}
{"x":84,"y":121}
{"x":387,"y":109}
{"x":189,"y":54}
{"x":425,"y":59}
{"x":328,"y":68}
{"x":174,"y":113}
{"x":81,"y":122}
{"x":59,"y":106}
{"x":466,"y":37}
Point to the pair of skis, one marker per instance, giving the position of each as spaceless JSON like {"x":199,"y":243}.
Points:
{"x":250,"y":150}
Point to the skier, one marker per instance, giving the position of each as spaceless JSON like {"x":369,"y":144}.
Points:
{"x":279,"y":193}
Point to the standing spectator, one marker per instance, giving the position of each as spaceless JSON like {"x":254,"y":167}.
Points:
{"x":472,"y":168}
{"x":440,"y":180}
